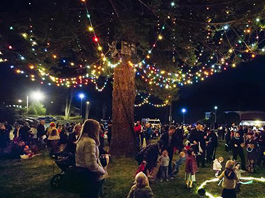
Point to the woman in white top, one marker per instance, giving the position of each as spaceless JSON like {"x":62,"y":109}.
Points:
{"x":87,"y":156}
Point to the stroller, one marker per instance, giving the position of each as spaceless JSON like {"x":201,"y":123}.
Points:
{"x":64,"y":161}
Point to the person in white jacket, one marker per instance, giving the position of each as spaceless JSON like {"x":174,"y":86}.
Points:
{"x":87,"y":155}
{"x":217,"y":165}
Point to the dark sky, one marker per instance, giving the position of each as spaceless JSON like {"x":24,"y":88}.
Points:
{"x":242,"y":88}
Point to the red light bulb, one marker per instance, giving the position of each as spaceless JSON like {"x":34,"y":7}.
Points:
{"x":95,"y":39}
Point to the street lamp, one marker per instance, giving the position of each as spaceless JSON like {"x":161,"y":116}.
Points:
{"x":19,"y":101}
{"x":81,"y":96}
{"x":183,"y":110}
{"x":37,"y":96}
{"x":87,"y":109}
{"x":215,"y":117}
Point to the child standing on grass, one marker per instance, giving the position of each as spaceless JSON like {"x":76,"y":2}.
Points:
{"x":141,"y":188}
{"x":230,"y":180}
{"x":238,"y":172}
{"x":217,"y":165}
{"x":191,"y":168}
{"x":164,"y":165}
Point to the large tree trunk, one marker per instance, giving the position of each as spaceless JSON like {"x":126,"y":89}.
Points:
{"x":123,"y":137}
{"x":68,"y":104}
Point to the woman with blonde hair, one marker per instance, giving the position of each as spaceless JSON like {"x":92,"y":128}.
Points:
{"x":141,"y":188}
{"x":87,"y":156}
{"x":230,"y":180}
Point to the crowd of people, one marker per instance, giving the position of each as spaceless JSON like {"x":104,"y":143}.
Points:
{"x":197,"y":146}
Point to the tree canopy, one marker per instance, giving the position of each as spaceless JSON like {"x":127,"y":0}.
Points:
{"x":177,"y":43}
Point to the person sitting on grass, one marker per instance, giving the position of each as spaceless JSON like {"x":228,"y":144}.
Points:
{"x":141,"y":188}
{"x":191,"y":168}
{"x":230,"y":180}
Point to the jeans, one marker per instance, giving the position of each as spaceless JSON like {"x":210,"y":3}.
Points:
{"x":164,"y":172}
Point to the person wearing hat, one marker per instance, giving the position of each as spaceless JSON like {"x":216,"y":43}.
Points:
{"x":251,"y":148}
{"x":237,"y":144}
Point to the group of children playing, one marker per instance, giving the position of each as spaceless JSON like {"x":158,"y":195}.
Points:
{"x":230,"y":176}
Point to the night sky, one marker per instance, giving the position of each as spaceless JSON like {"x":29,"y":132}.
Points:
{"x":242,"y":88}
{"x":236,"y":89}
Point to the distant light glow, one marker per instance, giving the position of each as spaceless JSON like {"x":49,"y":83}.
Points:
{"x":215,"y":107}
{"x":37,"y":95}
{"x":183,"y":110}
{"x":81,"y":96}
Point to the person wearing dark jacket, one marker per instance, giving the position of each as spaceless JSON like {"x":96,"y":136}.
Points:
{"x":73,"y":137}
{"x":25,"y":133}
{"x":150,"y":155}
{"x":227,"y":139}
{"x":197,"y":139}
{"x":41,"y":129}
{"x":179,"y":138}
{"x":211,"y":145}
{"x":237,"y":144}
{"x":3,"y":138}
{"x":169,"y":140}
{"x":261,"y":153}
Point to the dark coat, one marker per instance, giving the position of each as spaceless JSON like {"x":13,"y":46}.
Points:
{"x":24,"y":133}
{"x":198,"y":136}
{"x":166,"y":145}
{"x":40,"y":130}
{"x":236,"y":141}
{"x":3,"y":138}
{"x":149,"y":154}
{"x":71,"y":146}
{"x":212,"y":140}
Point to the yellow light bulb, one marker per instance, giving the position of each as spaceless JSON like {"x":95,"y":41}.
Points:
{"x":90,"y":29}
{"x":99,"y":48}
{"x":160,"y":37}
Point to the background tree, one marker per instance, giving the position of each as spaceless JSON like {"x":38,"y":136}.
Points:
{"x":37,"y":108}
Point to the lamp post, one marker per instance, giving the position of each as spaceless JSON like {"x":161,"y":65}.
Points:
{"x":183,"y":110}
{"x":81,"y":96}
{"x":215,"y":116}
{"x":87,"y":109}
{"x":37,"y":96}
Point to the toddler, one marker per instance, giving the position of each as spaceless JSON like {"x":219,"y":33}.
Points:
{"x":217,"y":165}
{"x":164,"y":165}
{"x":191,"y":168}
{"x":179,"y":162}
{"x":238,"y":172}
{"x":141,"y":187}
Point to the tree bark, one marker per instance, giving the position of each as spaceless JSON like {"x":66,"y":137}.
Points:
{"x":123,"y":137}
{"x":68,"y":104}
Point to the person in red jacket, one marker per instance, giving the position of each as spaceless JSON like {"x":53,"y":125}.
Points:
{"x":138,"y":131}
{"x":191,"y":168}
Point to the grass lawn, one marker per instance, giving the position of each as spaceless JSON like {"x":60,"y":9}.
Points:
{"x":30,"y":178}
